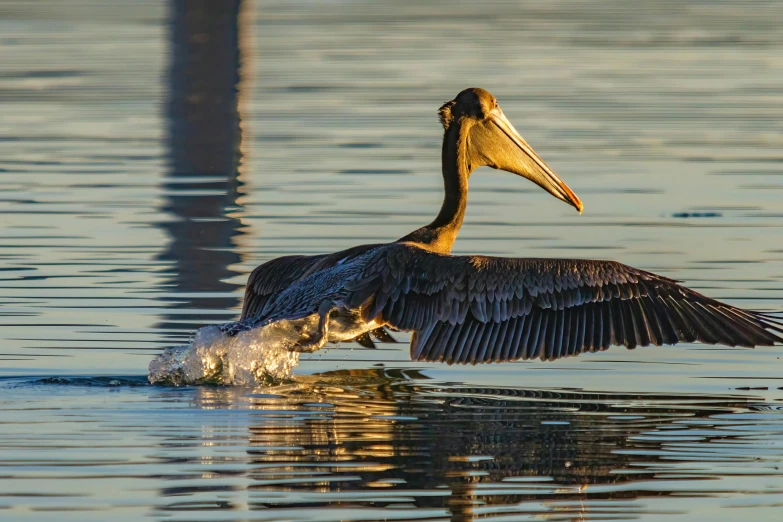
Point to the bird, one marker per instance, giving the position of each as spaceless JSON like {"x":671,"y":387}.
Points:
{"x":480,"y":309}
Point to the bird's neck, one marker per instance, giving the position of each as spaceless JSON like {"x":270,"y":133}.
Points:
{"x":439,"y":236}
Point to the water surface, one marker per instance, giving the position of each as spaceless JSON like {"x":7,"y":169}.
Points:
{"x":151,"y":156}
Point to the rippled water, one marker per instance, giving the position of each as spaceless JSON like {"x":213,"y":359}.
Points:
{"x":372,"y":445}
{"x":139,"y":187}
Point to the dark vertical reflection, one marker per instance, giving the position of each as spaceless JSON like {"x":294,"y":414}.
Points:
{"x":202,"y":185}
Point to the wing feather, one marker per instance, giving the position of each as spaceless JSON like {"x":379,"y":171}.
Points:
{"x":271,"y":278}
{"x":577,"y":343}
{"x":590,"y":327}
{"x":541,"y":335}
{"x":572,"y":330}
{"x":530,"y":339}
{"x":472,"y":309}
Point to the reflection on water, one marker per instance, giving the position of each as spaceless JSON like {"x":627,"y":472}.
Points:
{"x":371,"y":445}
{"x":204,"y":135}
{"x":468,"y":452}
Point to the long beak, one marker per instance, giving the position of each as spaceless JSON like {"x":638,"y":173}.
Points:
{"x":532,"y":167}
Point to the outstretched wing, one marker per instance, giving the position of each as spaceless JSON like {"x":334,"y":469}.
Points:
{"x":273,"y":277}
{"x":472,"y":309}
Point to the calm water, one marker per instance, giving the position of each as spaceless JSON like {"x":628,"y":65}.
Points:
{"x":139,"y":187}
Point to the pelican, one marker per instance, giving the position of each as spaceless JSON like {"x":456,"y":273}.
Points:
{"x":480,"y":309}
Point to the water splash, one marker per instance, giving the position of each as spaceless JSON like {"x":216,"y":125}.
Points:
{"x":258,"y":356}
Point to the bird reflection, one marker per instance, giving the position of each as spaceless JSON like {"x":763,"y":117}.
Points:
{"x":203,"y":185}
{"x":379,"y":440}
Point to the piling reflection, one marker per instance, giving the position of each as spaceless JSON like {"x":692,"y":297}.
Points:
{"x":358,"y":443}
{"x":203,"y":185}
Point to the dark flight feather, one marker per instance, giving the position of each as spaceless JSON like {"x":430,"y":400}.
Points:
{"x":474,"y":309}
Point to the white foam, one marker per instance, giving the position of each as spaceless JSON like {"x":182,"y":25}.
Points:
{"x":258,"y":356}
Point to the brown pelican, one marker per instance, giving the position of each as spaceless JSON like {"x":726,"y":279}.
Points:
{"x":471,"y":309}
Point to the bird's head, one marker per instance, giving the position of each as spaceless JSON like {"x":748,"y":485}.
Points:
{"x":490,"y":140}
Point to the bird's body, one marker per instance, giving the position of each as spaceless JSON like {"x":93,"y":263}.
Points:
{"x":473,"y":309}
